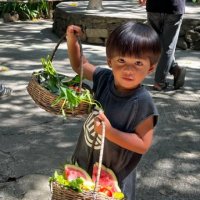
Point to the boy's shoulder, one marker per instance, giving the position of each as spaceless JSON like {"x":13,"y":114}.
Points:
{"x":102,"y":70}
{"x":141,"y":94}
{"x":145,"y":99}
{"x":101,"y":76}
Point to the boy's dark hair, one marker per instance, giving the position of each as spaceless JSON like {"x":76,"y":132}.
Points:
{"x":134,"y":39}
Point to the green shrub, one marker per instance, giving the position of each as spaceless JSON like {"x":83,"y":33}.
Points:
{"x":196,"y":1}
{"x":26,"y":10}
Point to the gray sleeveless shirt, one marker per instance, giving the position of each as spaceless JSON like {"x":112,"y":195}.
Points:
{"x":125,"y":112}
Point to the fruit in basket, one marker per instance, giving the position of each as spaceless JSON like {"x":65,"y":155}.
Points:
{"x":72,"y":172}
{"x":78,"y":180}
{"x":77,"y":184}
{"x":88,"y":185}
{"x":118,"y":195}
{"x":61,"y":180}
{"x":106,"y":191}
{"x":107,"y":178}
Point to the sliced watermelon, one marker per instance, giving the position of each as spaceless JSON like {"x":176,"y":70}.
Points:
{"x":107,"y":178}
{"x":73,"y":172}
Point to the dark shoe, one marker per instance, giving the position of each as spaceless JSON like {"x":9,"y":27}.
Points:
{"x":160,"y":86}
{"x":5,"y":92}
{"x":179,"y":76}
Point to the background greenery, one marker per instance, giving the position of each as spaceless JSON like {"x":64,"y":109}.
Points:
{"x":30,"y":9}
{"x":33,"y":9}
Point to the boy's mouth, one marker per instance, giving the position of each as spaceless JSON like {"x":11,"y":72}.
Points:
{"x":127,"y":78}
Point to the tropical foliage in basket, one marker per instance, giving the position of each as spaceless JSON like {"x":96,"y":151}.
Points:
{"x":68,"y":89}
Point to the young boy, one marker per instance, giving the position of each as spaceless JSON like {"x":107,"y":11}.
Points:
{"x":132,"y":50}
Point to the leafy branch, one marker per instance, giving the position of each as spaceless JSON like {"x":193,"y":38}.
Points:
{"x":67,"y":89}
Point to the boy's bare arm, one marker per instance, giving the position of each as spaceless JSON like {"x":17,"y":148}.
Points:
{"x":138,"y":142}
{"x":73,"y":32}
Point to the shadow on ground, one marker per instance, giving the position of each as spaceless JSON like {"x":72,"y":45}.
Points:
{"x":33,"y":143}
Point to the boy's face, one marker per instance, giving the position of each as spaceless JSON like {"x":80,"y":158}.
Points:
{"x":129,"y":72}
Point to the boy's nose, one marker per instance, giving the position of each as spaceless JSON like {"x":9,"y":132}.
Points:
{"x":129,"y":68}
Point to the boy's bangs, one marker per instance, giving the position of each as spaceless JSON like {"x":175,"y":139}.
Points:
{"x":137,"y":46}
{"x":136,"y":40}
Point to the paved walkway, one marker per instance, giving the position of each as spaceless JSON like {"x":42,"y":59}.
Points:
{"x":129,"y":8}
{"x":33,"y":143}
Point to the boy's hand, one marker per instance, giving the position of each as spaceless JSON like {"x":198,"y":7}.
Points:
{"x":73,"y":31}
{"x":98,"y":123}
{"x":142,"y":2}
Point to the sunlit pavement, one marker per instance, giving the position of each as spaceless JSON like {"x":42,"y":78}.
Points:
{"x":33,"y":143}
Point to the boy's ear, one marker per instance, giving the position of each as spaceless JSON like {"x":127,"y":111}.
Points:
{"x":152,"y":68}
{"x":109,"y":62}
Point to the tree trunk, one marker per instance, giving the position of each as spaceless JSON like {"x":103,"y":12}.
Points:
{"x":95,"y":5}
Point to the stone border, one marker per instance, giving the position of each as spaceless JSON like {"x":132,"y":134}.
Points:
{"x":97,"y":25}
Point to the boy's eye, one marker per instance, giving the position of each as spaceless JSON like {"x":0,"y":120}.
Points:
{"x":138,"y":63}
{"x":121,"y":60}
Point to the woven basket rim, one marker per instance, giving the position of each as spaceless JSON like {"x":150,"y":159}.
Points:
{"x":44,"y":98}
{"x":59,"y":192}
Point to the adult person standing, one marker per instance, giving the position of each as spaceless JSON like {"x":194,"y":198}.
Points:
{"x":166,"y":16}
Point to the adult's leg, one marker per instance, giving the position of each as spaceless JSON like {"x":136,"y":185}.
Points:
{"x":169,"y":38}
{"x":172,"y":24}
{"x":156,"y":20}
{"x":168,"y":28}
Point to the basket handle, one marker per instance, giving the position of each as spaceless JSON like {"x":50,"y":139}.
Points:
{"x":56,"y":47}
{"x":81,"y":57}
{"x":100,"y":160}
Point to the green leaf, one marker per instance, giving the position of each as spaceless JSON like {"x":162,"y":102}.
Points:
{"x":52,"y":85}
{"x":57,"y":100}
{"x":68,"y":81}
{"x":76,"y":184}
{"x":48,"y":66}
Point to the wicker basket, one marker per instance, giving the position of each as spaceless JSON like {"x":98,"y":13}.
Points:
{"x":45,"y":98}
{"x":60,"y":193}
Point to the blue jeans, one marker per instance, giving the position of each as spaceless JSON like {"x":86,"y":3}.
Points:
{"x":168,"y":27}
{"x":129,"y":186}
